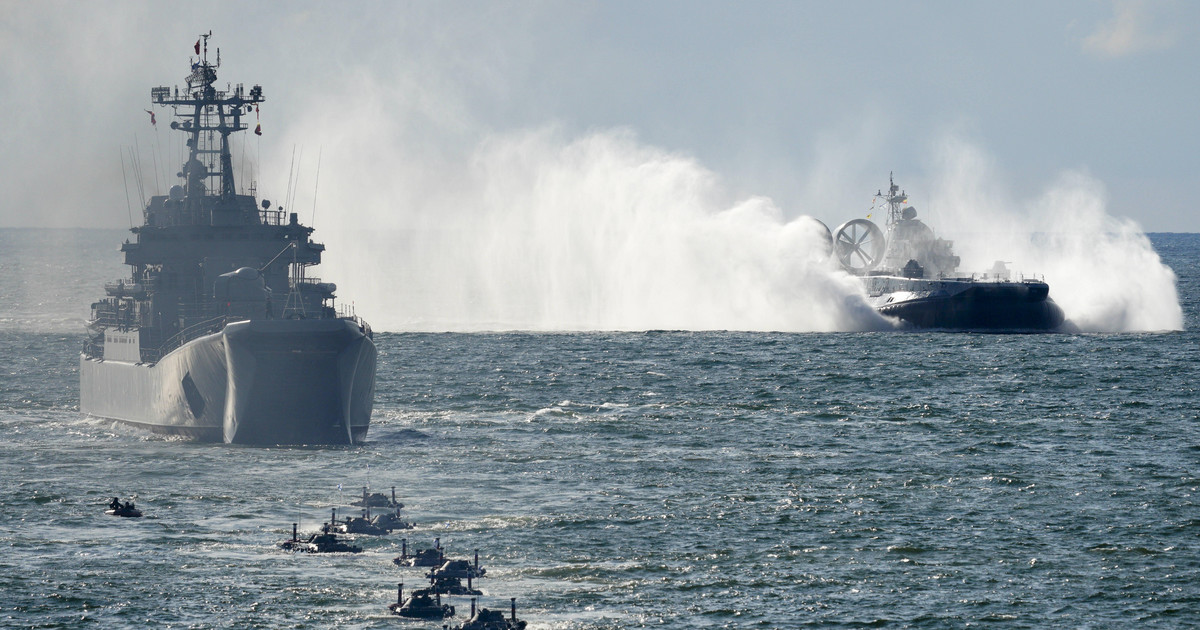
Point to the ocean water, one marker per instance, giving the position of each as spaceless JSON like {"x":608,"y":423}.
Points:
{"x":627,"y":480}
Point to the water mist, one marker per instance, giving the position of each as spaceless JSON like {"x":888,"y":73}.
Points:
{"x":540,"y":232}
{"x":1102,"y":270}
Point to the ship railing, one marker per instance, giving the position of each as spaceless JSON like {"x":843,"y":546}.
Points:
{"x":272,"y":217}
{"x":194,"y":311}
{"x":348,"y":314}
{"x":115,"y":319}
{"x":104,"y":320}
{"x":303,"y":311}
{"x":195,"y":331}
{"x":994,"y":277}
{"x":93,"y":350}
{"x":128,"y":286}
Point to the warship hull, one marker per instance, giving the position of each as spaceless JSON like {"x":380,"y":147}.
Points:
{"x":257,"y":382}
{"x":965,"y":304}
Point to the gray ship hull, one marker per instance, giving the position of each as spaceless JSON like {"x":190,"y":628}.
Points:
{"x":263,"y":382}
{"x":965,"y":304}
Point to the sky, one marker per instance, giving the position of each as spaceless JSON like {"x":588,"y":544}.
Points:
{"x":808,"y":104}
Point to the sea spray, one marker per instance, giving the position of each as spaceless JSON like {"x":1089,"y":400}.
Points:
{"x":1102,"y":270}
{"x":599,"y":232}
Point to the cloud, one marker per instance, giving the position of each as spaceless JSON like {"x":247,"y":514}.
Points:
{"x":1131,"y":30}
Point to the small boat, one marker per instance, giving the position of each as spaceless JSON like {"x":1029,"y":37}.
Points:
{"x":485,"y":619}
{"x":390,"y":521}
{"x":126,"y":509}
{"x":324,"y":542}
{"x":452,"y":586}
{"x":358,"y":525}
{"x":127,"y":512}
{"x":462,"y":569}
{"x":353,"y":525}
{"x":422,"y":604}
{"x":378,"y":499}
{"x":320,"y":543}
{"x":424,"y":558}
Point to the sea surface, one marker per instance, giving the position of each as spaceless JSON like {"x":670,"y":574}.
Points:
{"x":630,"y":480}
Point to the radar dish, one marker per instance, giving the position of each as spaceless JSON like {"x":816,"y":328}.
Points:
{"x":859,"y":245}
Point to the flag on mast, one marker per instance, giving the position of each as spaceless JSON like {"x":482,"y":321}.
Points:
{"x":152,"y":122}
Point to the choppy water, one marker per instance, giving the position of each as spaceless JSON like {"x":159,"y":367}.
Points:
{"x":657,"y":479}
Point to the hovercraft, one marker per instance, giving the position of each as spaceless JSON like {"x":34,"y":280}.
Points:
{"x":912,"y":275}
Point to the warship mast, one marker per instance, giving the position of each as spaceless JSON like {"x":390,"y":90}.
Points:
{"x":208,"y":116}
{"x":895,"y":199}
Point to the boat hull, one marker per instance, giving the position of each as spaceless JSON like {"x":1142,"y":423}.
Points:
{"x":964,"y":304}
{"x":259,"y":382}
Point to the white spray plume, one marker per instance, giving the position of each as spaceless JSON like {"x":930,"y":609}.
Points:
{"x":542,"y":232}
{"x":1102,"y":270}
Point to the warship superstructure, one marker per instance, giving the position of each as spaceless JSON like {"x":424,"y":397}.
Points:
{"x":911,"y":274}
{"x":219,"y":333}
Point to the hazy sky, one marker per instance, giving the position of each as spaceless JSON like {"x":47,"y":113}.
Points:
{"x":810,"y":104}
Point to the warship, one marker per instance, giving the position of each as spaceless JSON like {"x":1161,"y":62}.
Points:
{"x":912,"y":275}
{"x":220,"y":334}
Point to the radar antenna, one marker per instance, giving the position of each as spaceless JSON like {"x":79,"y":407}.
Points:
{"x":208,"y":116}
{"x":895,"y":199}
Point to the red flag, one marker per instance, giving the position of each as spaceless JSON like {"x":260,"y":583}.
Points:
{"x":258,"y":129}
{"x":197,"y":47}
{"x":152,"y":122}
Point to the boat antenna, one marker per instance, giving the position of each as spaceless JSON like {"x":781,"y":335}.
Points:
{"x":895,"y":199}
{"x":136,"y":164}
{"x":316,"y":182}
{"x":294,"y":184}
{"x":287,"y":196}
{"x":125,"y":178}
{"x":242,"y":163}
{"x":205,"y":37}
